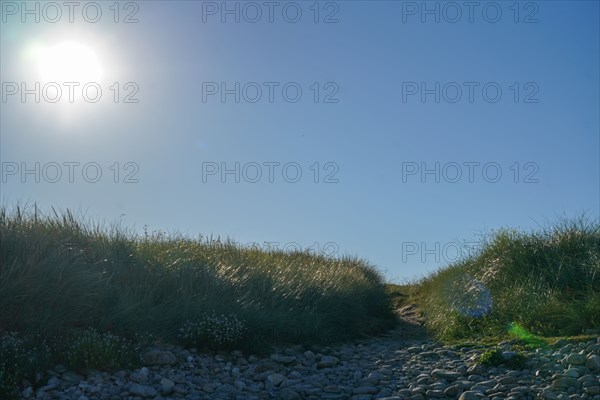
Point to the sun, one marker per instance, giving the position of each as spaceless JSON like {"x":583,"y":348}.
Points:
{"x":68,"y":62}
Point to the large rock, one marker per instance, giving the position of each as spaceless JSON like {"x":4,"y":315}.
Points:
{"x":564,"y":382}
{"x":159,"y":357}
{"x":593,"y":362}
{"x":575,"y":359}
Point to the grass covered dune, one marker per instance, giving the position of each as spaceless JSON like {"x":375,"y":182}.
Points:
{"x":87,"y":297}
{"x":59,"y":274}
{"x":544,"y":283}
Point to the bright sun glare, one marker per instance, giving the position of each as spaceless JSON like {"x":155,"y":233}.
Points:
{"x":68,"y":62}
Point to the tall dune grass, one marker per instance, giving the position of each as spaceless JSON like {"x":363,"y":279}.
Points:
{"x":58,"y":272}
{"x":547,"y":281}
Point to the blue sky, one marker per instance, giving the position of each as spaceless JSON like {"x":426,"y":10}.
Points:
{"x":368,"y":134}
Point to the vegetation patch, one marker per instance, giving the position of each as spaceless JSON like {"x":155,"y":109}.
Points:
{"x":90,"y":349}
{"x":525,"y":285}
{"x":495,"y":358}
{"x":104,"y":285}
{"x":223,"y":332}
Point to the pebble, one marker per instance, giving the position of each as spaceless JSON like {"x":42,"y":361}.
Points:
{"x":388,"y":367}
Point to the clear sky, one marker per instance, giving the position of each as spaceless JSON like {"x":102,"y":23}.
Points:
{"x":415,"y":125}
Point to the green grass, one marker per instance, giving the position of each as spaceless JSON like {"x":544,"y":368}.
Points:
{"x":493,"y":358}
{"x":542,"y":283}
{"x":61,"y":274}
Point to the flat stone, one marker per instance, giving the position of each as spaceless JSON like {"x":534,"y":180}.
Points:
{"x":281,"y":359}
{"x":138,"y":377}
{"x":365,"y":390}
{"x":328,"y":362}
{"x":276,"y":379}
{"x":167,"y":382}
{"x":471,"y":395}
{"x":593,"y":362}
{"x":452,"y":391}
{"x":289,"y":394}
{"x":142,"y":390}
{"x":450,"y":376}
{"x":507,"y":380}
{"x":72,"y":377}
{"x":564,"y":382}
{"x":432,"y":393}
{"x":576,"y":359}
{"x":592,"y":390}
{"x":573,"y":373}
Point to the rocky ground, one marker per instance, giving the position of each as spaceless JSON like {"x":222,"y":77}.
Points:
{"x":403,"y":364}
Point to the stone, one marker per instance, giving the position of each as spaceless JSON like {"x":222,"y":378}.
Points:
{"x":142,"y":390}
{"x":508,"y":355}
{"x":593,"y":362}
{"x":138,"y":377}
{"x":377,"y":368}
{"x":564,"y":382}
{"x":281,"y":359}
{"x":450,"y":376}
{"x":328,"y":362}
{"x":227,"y":388}
{"x":452,"y":391}
{"x":158,"y":357}
{"x":72,"y":377}
{"x":167,"y":382}
{"x":181,"y":389}
{"x":276,"y":379}
{"x":471,"y":395}
{"x":549,"y":395}
{"x":289,"y":394}
{"x":476,"y":369}
{"x":507,"y":380}
{"x":592,"y":390}
{"x":575,"y":359}
{"x":239,"y":384}
{"x":27,"y":392}
{"x":365,"y":390}
{"x":434,"y":394}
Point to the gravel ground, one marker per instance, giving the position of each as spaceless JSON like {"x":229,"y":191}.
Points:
{"x":403,"y":364}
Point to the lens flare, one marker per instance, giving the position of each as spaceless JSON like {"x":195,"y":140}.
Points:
{"x":518,"y":331}
{"x":470,"y":297}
